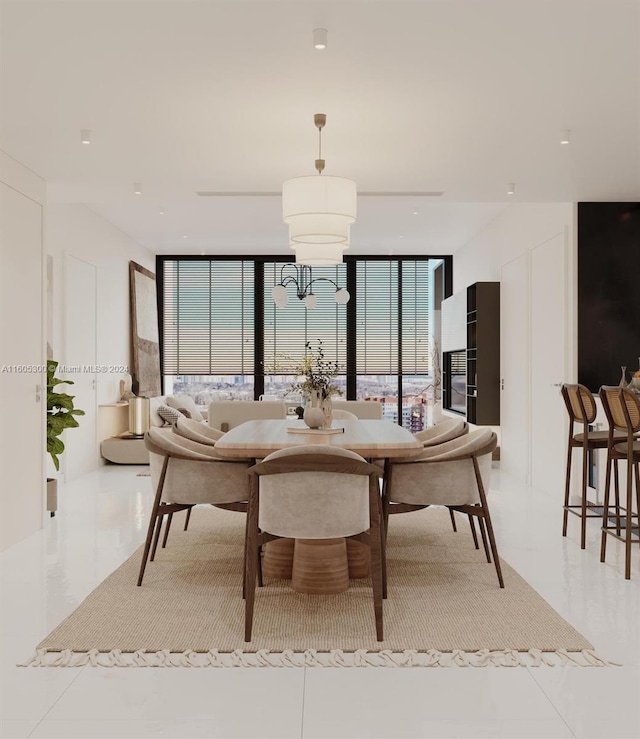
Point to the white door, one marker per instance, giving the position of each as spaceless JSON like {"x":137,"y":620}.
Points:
{"x":81,"y":444}
{"x":514,"y":361}
{"x":22,"y":431}
{"x":549,"y":363}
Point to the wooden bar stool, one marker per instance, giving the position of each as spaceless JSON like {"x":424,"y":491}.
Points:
{"x":623,"y":413}
{"x":581,"y":407}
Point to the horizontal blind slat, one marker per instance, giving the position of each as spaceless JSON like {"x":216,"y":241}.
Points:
{"x":208,"y":317}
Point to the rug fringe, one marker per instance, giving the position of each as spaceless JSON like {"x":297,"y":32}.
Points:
{"x":313,"y":658}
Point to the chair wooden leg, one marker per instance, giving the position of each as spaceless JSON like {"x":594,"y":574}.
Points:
{"x":605,"y":508}
{"x":186,"y":521}
{"x":383,"y":552}
{"x":153,"y":520}
{"x":567,"y":490}
{"x":453,"y":521}
{"x":473,"y":532}
{"x":251,"y":559}
{"x":250,"y":583}
{"x":259,"y":567}
{"x":376,"y":559}
{"x":628,"y":521}
{"x":583,"y":511}
{"x":246,"y":550}
{"x":487,"y":522}
{"x":157,"y":535}
{"x":616,"y":493}
{"x":147,"y":546}
{"x":386,"y":494}
{"x":385,"y":516}
{"x":166,"y":531}
{"x":485,"y":543}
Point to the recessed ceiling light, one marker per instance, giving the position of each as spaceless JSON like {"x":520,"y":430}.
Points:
{"x":185,"y":237}
{"x":161,"y":211}
{"x":85,"y":136}
{"x":565,"y":136}
{"x":511,"y":188}
{"x":415,"y":212}
{"x":401,"y":237}
{"x":320,"y":38}
{"x":137,"y":188}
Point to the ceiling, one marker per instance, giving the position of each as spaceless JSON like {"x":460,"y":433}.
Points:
{"x":459,"y":96}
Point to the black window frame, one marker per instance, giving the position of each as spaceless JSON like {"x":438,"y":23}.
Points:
{"x":351,"y":325}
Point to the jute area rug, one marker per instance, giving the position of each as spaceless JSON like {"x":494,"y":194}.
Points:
{"x":444,"y":608}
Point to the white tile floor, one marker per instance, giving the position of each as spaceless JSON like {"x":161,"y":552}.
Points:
{"x":101,"y":521}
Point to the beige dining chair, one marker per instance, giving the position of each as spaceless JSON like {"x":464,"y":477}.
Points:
{"x":445,"y":430}
{"x":203,"y":434}
{"x":197,"y":431}
{"x":185,"y":473}
{"x":341,"y":415}
{"x":622,"y":408}
{"x":455,"y":474}
{"x":314,"y":492}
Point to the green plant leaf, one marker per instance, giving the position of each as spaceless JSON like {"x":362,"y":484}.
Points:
{"x":60,"y":413}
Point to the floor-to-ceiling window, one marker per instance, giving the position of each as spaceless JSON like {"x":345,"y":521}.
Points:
{"x":207,"y":320}
{"x":223,"y":337}
{"x":288,"y":329}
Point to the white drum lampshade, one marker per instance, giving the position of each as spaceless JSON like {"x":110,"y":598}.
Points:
{"x":319,"y":208}
{"x":319,"y":255}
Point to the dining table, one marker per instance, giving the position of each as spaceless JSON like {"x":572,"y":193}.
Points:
{"x":318,"y":566}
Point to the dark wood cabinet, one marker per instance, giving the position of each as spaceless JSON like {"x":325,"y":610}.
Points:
{"x":483,"y":353}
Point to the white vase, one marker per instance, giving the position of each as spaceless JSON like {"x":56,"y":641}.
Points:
{"x":313,"y":412}
{"x":313,"y":416}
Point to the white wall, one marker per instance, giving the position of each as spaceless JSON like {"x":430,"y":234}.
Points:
{"x":516,"y":232}
{"x":22,"y":432}
{"x":76,"y":230}
{"x":518,"y":229}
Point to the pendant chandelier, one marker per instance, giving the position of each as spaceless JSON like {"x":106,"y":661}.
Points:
{"x":319,"y":210}
{"x":301,"y":276}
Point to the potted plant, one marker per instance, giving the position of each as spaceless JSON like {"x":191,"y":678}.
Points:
{"x":61,"y":414}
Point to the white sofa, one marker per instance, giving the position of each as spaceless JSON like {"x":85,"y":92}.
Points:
{"x":122,"y":450}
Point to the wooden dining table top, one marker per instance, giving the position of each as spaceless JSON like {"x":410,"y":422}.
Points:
{"x":379,"y":439}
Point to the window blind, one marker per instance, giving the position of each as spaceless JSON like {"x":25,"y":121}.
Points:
{"x":286,"y":330}
{"x":377,"y":317}
{"x":208,"y":317}
{"x":416,"y":359}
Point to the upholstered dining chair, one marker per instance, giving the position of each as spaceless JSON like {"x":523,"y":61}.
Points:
{"x":445,"y":430}
{"x":185,"y":473}
{"x":581,"y":407}
{"x":314,"y":492}
{"x":197,"y":431}
{"x":455,"y":474}
{"x":344,"y":415}
{"x":622,"y":408}
{"x":203,"y":434}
